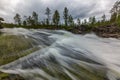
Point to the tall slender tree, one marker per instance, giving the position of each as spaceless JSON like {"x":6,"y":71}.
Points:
{"x":78,"y":22}
{"x":30,"y":21}
{"x":35,"y":17}
{"x":25,"y":20}
{"x":115,"y":11}
{"x":65,"y":16}
{"x":116,"y":8}
{"x":48,"y":13}
{"x":1,"y":19}
{"x":70,"y":20}
{"x":56,"y":18}
{"x":93,"y":20}
{"x":17,"y":19}
{"x":113,"y":17}
{"x":103,"y":18}
{"x":85,"y":21}
{"x":90,"y":20}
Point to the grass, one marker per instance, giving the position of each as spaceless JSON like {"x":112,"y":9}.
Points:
{"x":13,"y":47}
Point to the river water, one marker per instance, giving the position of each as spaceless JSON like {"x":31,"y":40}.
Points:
{"x":66,"y":56}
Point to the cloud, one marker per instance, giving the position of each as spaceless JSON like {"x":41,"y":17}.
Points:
{"x":77,"y":8}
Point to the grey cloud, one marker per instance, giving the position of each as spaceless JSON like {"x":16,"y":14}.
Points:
{"x":78,"y":8}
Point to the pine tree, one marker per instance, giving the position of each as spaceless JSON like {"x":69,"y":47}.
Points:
{"x":24,"y":23}
{"x":70,"y":21}
{"x":1,"y":19}
{"x":48,"y":13}
{"x":85,"y":21}
{"x":65,"y":16}
{"x":90,"y":20}
{"x":78,"y":22}
{"x":93,"y":20}
{"x":30,"y":21}
{"x":116,"y":8}
{"x":56,"y":18}
{"x":35,"y":17}
{"x":17,"y":19}
{"x":113,"y":17}
{"x":104,"y":18}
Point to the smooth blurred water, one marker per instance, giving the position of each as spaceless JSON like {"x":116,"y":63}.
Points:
{"x":66,"y":56}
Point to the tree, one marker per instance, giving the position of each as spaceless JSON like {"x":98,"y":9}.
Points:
{"x":30,"y":21}
{"x":48,"y":13}
{"x":1,"y":19}
{"x":17,"y":19}
{"x":113,"y":17}
{"x":70,"y":20}
{"x":24,"y":23}
{"x":35,"y":17}
{"x":85,"y":21}
{"x":103,"y":18}
{"x":90,"y":20}
{"x":78,"y":22}
{"x":56,"y":18}
{"x":93,"y":20}
{"x":115,"y":11}
{"x":116,"y":8}
{"x":65,"y":16}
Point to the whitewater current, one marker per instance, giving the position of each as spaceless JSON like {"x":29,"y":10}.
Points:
{"x":66,"y":56}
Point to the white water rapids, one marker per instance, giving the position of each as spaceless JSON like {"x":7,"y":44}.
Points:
{"x":66,"y":56}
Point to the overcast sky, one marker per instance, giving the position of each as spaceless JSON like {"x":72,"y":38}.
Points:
{"x":77,"y":8}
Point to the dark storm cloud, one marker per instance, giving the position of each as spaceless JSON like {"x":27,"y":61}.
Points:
{"x":77,"y":8}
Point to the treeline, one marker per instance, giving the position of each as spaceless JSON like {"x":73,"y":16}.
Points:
{"x":54,"y":20}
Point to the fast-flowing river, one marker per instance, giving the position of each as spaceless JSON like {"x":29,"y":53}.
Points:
{"x":67,"y":56}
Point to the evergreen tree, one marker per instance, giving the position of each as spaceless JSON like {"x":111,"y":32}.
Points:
{"x":90,"y":20}
{"x":70,"y":21}
{"x":17,"y":19}
{"x":116,"y":8}
{"x":1,"y":19}
{"x":103,"y":18}
{"x":93,"y":20}
{"x":65,"y":16}
{"x":35,"y":17}
{"x":30,"y":21}
{"x":78,"y":22}
{"x":48,"y":13}
{"x":24,"y":23}
{"x":113,"y":17}
{"x":56,"y":18}
{"x":115,"y":11}
{"x":85,"y":21}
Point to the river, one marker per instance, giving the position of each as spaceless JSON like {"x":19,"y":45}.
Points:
{"x":66,"y":56}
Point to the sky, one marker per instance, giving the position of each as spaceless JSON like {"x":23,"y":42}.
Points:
{"x":82,"y":9}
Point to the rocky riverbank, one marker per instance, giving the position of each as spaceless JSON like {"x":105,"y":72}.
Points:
{"x":101,"y":31}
